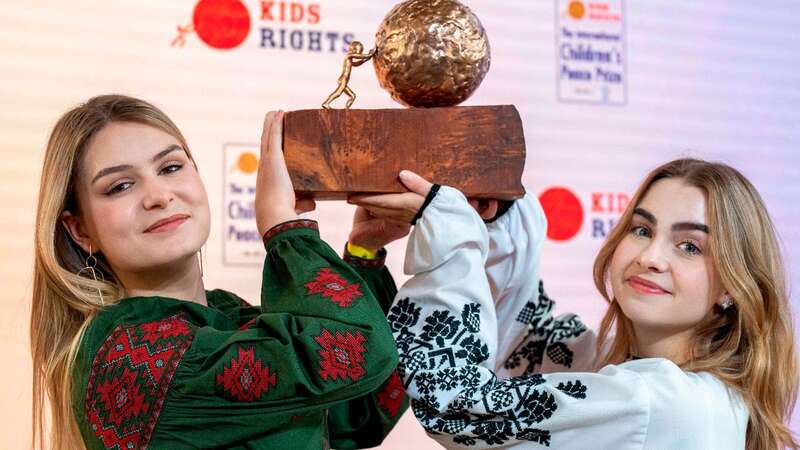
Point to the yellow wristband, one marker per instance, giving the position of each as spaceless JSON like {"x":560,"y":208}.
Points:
{"x":361,"y":252}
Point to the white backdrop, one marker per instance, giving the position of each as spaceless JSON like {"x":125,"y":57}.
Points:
{"x":715,"y":79}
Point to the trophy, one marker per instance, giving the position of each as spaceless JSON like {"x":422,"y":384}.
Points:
{"x":430,"y":55}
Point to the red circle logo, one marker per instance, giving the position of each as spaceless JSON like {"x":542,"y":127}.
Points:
{"x":222,"y":24}
{"x":564,"y":213}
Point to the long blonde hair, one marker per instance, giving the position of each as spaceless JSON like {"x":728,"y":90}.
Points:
{"x":66,"y":298}
{"x":749,"y":346}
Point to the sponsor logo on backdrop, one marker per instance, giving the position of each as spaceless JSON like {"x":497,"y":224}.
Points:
{"x":277,"y":25}
{"x":590,"y":51}
{"x":606,"y":209}
{"x":241,"y":243}
{"x":566,"y":213}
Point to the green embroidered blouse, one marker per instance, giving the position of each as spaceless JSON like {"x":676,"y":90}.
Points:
{"x":313,"y":367}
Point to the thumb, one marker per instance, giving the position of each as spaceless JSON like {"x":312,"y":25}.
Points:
{"x":415,"y":183}
{"x":272,"y":136}
{"x":268,"y":119}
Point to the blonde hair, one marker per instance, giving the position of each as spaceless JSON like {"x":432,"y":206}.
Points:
{"x":65,"y":299}
{"x":749,"y":346}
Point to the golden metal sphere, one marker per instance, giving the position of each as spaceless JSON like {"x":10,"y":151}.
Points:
{"x":431,"y":53}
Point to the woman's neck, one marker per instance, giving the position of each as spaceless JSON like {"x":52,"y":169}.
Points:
{"x":182,"y":281}
{"x":667,"y":344}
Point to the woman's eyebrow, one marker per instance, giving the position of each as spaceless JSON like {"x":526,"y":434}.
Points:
{"x":682,"y":226}
{"x":646,"y":214}
{"x":122,"y":167}
{"x":166,"y":151}
{"x":678,"y":226}
{"x":110,"y":170}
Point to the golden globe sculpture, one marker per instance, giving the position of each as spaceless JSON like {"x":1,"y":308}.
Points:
{"x":428,"y":53}
{"x":431,"y":53}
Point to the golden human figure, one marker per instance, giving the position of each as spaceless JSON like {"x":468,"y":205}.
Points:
{"x":354,"y":58}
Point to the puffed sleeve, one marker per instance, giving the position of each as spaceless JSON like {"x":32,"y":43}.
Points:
{"x":530,"y":338}
{"x":446,"y":330}
{"x":376,"y":276}
{"x":365,"y":421}
{"x":321,"y":338}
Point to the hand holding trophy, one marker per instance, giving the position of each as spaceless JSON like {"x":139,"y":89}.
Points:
{"x":430,"y":55}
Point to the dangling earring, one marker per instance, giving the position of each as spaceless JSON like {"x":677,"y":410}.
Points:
{"x":91,"y":269}
{"x":201,"y":262}
{"x":727,"y":302}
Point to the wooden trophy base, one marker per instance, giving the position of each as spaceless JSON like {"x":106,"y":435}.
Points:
{"x":332,"y":153}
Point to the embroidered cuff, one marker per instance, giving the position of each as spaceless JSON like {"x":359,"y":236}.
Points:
{"x":364,"y":263}
{"x":428,"y":199}
{"x":286,"y":226}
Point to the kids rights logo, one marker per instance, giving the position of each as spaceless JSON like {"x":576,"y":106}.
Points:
{"x":281,"y":25}
{"x":566,"y":212}
{"x":220,"y":24}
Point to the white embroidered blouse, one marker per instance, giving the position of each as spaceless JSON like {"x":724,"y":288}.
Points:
{"x":488,"y":366}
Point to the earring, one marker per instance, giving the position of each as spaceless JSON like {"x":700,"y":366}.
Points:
{"x":91,"y":269}
{"x":727,"y":302}
{"x":201,"y":262}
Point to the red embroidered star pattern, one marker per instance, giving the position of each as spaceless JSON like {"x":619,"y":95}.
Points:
{"x":391,"y":396}
{"x":121,"y":397}
{"x":330,"y":285}
{"x":130,"y":377}
{"x":152,"y":332}
{"x":341,"y":355}
{"x":246,"y":378}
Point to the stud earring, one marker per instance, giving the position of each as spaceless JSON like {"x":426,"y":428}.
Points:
{"x":727,"y":302}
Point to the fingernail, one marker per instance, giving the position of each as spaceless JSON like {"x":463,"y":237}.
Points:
{"x":404,"y":174}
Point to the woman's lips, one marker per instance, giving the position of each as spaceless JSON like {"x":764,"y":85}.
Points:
{"x":168,"y":224}
{"x":643,"y":286}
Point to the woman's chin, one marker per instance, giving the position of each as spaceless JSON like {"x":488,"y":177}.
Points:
{"x":644,"y":311}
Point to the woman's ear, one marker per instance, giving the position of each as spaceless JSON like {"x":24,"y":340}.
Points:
{"x":76,"y":230}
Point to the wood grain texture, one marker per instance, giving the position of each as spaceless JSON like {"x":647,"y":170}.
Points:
{"x":331,"y":153}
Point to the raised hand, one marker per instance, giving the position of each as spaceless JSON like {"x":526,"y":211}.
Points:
{"x":399,"y":207}
{"x":275,"y":199}
{"x":374,"y":233}
{"x":403,"y":207}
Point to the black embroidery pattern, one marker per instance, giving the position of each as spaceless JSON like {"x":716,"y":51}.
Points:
{"x":439,"y":363}
{"x":533,"y":311}
{"x":545,"y":335}
{"x":573,"y":389}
